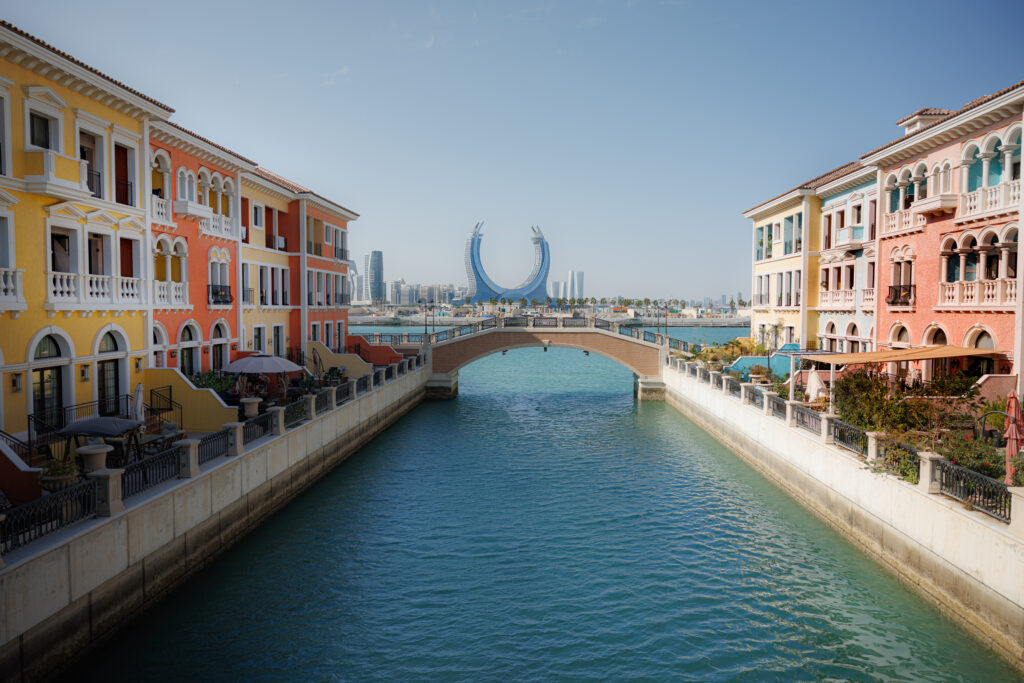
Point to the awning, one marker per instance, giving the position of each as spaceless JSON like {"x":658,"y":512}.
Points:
{"x":902,"y":355}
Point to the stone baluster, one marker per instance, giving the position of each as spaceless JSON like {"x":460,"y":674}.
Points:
{"x":873,"y":438}
{"x":826,"y":427}
{"x":791,"y":412}
{"x":768,"y":396}
{"x":929,"y":479}
{"x":110,"y":502}
{"x":310,"y":405}
{"x":278,"y":423}
{"x":188,"y":458}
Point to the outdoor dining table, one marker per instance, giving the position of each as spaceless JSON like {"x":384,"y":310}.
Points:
{"x":119,"y":432}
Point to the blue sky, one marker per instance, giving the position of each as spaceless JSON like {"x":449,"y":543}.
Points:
{"x":633,"y":133}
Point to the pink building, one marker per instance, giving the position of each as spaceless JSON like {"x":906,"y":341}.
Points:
{"x":948,"y":215}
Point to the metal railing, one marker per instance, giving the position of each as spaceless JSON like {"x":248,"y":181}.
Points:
{"x":716,"y":381}
{"x":808,"y":419}
{"x":342,"y":393}
{"x":602,"y":324}
{"x":731,"y":386}
{"x":755,"y":397}
{"x":516,"y":321}
{"x":48,"y":514}
{"x":650,"y":337}
{"x":778,"y":407}
{"x":574,"y":322}
{"x":147,"y":473}
{"x":704,"y":376}
{"x":295,"y":412}
{"x":323,"y":401}
{"x":489,"y":323}
{"x":220,"y":295}
{"x":849,"y":437}
{"x":20,"y":448}
{"x":257,"y":427}
{"x":901,"y":295}
{"x":544,"y":321}
{"x":899,"y":458}
{"x":986,"y":494}
{"x":213,"y":446}
{"x":363,"y":384}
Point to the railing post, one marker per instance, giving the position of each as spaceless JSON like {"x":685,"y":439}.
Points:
{"x":768,"y":396}
{"x":109,"y":502}
{"x":236,"y":441}
{"x":369,"y":381}
{"x":352,"y":393}
{"x":826,"y":427}
{"x":1016,"y":511}
{"x":277,"y":428}
{"x":791,"y":413}
{"x":745,"y":390}
{"x":929,"y":479}
{"x":188,"y":458}
{"x":334,"y":398}
{"x":394,"y":371}
{"x":310,"y":405}
{"x":873,"y":438}
{"x":711,"y":379}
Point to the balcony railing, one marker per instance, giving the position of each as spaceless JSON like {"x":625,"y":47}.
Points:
{"x":979,"y":293}
{"x":11,"y":290}
{"x":341,"y":254}
{"x":901,"y":295}
{"x":1001,"y":198}
{"x":314,"y":248}
{"x":76,"y":288}
{"x":344,"y":299}
{"x":761,"y":299}
{"x":94,"y":181}
{"x":220,"y":295}
{"x":900,"y":221}
{"x":849,"y":237}
{"x":170,"y":293}
{"x":867,"y":297}
{"x":219,"y":226}
{"x":838,"y":299}
{"x":161,"y":209}
{"x":247,"y":295}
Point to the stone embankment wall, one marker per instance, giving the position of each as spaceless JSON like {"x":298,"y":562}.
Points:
{"x":65,"y":592}
{"x":969,"y":565}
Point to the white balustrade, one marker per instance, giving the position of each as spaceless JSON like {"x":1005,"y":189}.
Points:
{"x":948,"y":293}
{"x":170,"y":293}
{"x":1001,"y":197}
{"x":899,"y":221}
{"x":1010,"y":292}
{"x":63,"y":286}
{"x":98,"y":288}
{"x":161,"y":210}
{"x":129,"y":289}
{"x":867,"y":297}
{"x":10,"y":286}
{"x":978,"y":294}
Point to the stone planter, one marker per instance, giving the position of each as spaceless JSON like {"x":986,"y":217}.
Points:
{"x":94,"y":457}
{"x":251,"y":406}
{"x":56,"y":482}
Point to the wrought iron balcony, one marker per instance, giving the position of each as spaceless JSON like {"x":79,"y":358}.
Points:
{"x":220,"y":295}
{"x":901,"y":295}
{"x":94,"y":181}
{"x":124,"y":192}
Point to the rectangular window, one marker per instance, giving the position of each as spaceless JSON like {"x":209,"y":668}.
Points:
{"x":314,"y":332}
{"x":124,"y":164}
{"x":257,"y":339}
{"x":841,"y":218}
{"x":60,"y":253}
{"x":328,"y":329}
{"x":257,"y":215}
{"x":41,"y":133}
{"x":6,"y":257}
{"x":856,"y":215}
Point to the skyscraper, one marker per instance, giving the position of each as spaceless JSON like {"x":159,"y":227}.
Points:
{"x":575,"y":284}
{"x":556,"y":289}
{"x":374,"y":273}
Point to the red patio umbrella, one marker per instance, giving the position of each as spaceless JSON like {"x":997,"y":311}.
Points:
{"x":1013,"y":426}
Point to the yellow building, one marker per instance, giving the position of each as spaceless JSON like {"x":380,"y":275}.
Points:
{"x":786,"y":241}
{"x":74,"y":236}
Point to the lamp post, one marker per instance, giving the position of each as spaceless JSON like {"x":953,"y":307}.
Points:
{"x":423,"y":304}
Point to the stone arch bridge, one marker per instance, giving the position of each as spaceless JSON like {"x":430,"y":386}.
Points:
{"x":644,"y":353}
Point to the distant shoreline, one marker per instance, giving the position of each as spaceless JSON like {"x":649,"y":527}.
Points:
{"x":632,"y":322}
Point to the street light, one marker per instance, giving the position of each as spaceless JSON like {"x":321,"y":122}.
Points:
{"x":423,"y":304}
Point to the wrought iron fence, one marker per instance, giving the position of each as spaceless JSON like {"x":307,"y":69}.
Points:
{"x":650,"y":337}
{"x":693,"y":371}
{"x":443,"y":335}
{"x":625,"y":331}
{"x":342,"y":393}
{"x":389,"y":373}
{"x":988,"y":495}
{"x":48,"y":514}
{"x":544,"y":321}
{"x":674,"y":343}
{"x":602,"y":324}
{"x":296,"y":412}
{"x":489,"y":323}
{"x":705,"y":376}
{"x":213,"y":446}
{"x":900,"y":459}
{"x":516,"y":321}
{"x":574,"y":322}
{"x":323,"y":401}
{"x":778,"y":406}
{"x":147,"y":473}
{"x":258,"y":427}
{"x":849,"y":437}
{"x":755,"y":397}
{"x":363,"y":384}
{"x":400,"y":369}
{"x":716,"y":381}
{"x":414,"y":338}
{"x":808,"y":419}
{"x":466,"y":329}
{"x":732,"y":386}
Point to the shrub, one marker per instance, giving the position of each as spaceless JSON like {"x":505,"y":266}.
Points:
{"x":214,"y":380}
{"x":974,"y":454}
{"x":760,"y":370}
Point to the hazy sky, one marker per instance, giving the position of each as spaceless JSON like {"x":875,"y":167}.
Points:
{"x":633,"y":133}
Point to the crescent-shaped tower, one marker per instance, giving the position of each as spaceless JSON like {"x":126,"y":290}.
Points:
{"x":483,"y":288}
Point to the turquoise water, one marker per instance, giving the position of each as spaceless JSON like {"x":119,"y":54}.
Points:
{"x":543,"y":526}
{"x":701,"y":335}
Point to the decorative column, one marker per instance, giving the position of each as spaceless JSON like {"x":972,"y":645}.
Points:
{"x":826,"y":427}
{"x":1004,"y":257}
{"x":903,"y":193}
{"x":873,"y":437}
{"x":986,"y":163}
{"x":278,"y":423}
{"x":983,"y":262}
{"x":965,"y":172}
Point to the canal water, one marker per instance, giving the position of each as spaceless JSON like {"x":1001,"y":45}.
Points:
{"x":543,"y":526}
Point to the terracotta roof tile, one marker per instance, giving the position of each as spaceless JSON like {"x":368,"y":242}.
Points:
{"x":281,"y":181}
{"x":926,"y":111}
{"x":816,"y":181}
{"x":967,"y":107}
{"x":64,"y":55}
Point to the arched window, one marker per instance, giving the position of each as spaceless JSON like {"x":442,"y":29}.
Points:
{"x":108,"y":344}
{"x":47,"y":348}
{"x":984,"y":341}
{"x":939,"y":338}
{"x":186,"y":334}
{"x":182,"y":184}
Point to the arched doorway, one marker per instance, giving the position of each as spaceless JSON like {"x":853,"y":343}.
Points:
{"x":108,"y":376}
{"x":219,"y":351}
{"x":188,"y":359}
{"x":49,"y":368}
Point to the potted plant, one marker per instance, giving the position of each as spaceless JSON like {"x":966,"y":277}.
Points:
{"x":58,"y":475}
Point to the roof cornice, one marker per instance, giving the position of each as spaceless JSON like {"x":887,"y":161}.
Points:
{"x":274,"y":190}
{"x":202,"y":149}
{"x":854,"y":179}
{"x":33,"y":54}
{"x":944,"y":131}
{"x":329,"y":206}
{"x":777,"y":204}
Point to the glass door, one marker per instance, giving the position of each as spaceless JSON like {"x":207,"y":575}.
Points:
{"x":108,"y":377}
{"x":47,"y":396}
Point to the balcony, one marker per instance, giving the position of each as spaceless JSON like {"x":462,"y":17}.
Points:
{"x":901,"y":295}
{"x":247,"y":296}
{"x":314,"y":248}
{"x":989,"y":202}
{"x":170,"y":294}
{"x":341,"y":254}
{"x":56,"y":175}
{"x":902,"y":221}
{"x":12,"y":293}
{"x":936,"y":205}
{"x":867,"y":298}
{"x":161,"y":210}
{"x":219,"y":226}
{"x":978,"y":295}
{"x":86,"y":291}
{"x":192,"y":210}
{"x":787,"y":300}
{"x":220,"y":295}
{"x":838,"y":300}
{"x":94,"y":181}
{"x":761,"y":301}
{"x":849,"y":238}
{"x":124,"y":192}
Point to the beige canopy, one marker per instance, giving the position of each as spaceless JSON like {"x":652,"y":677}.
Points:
{"x":901,"y":355}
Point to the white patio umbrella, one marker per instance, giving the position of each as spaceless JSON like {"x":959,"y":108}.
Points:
{"x":137,"y":412}
{"x":815,"y":386}
{"x":262,"y":364}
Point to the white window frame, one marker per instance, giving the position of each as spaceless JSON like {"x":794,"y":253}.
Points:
{"x":314,"y":331}
{"x":45,"y":102}
{"x":259,"y":218}
{"x":130,"y":140}
{"x":6,"y":137}
{"x":262,"y":329}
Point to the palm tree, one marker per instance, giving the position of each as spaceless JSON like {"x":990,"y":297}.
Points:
{"x":533,"y":302}
{"x":547,"y":304}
